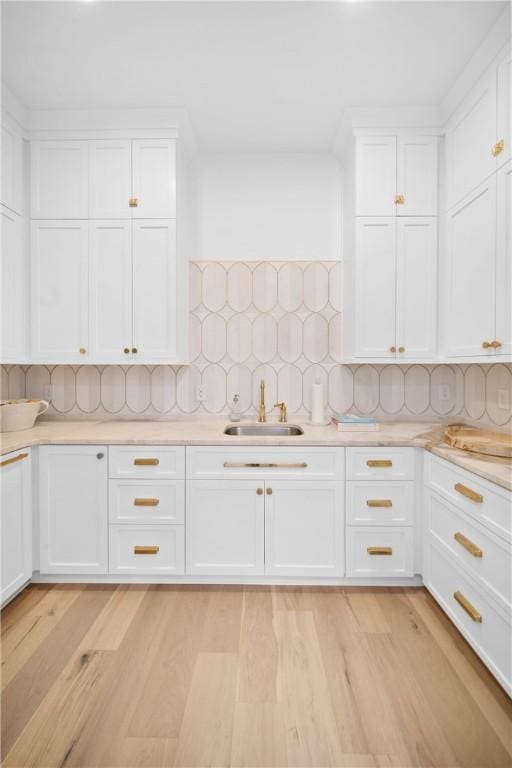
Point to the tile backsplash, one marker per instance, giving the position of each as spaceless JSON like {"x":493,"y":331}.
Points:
{"x":280,"y":321}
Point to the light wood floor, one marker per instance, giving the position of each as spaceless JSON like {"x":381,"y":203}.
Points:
{"x":154,"y":676}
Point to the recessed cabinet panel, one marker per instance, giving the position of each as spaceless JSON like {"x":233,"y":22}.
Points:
{"x":59,"y":265}
{"x":16,"y":522}
{"x":375,"y":176}
{"x":471,"y":245}
{"x":504,"y":261}
{"x":154,"y":290}
{"x":110,"y":295}
{"x":13,"y":281}
{"x":417,"y":175}
{"x":59,"y":180}
{"x":416,"y":288}
{"x":375,"y":288}
{"x":110,"y":177}
{"x":154,"y":178}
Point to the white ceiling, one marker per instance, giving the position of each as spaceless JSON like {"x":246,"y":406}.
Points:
{"x":254,"y":76}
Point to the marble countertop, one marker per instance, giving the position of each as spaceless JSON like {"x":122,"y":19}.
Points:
{"x":210,"y":432}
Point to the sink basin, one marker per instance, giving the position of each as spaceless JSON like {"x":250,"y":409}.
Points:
{"x":264,"y":430}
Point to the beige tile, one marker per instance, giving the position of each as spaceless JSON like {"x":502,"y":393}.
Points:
{"x":239,"y":287}
{"x":213,"y":338}
{"x":264,"y":287}
{"x":316,"y":287}
{"x":88,"y":388}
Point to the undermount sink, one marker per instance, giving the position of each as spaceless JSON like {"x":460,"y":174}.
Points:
{"x":264,"y":430}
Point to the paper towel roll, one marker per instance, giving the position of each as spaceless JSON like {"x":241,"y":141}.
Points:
{"x":317,"y":403}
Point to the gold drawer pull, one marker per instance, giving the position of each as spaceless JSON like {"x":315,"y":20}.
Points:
{"x":468,"y":493}
{"x":379,"y":463}
{"x":264,"y":465}
{"x":467,"y":544}
{"x":146,"y":462}
{"x":498,"y":148}
{"x":379,"y":503}
{"x":145,"y":550}
{"x":379,"y":550}
{"x":146,"y":502}
{"x":19,"y":457}
{"x":470,"y":609}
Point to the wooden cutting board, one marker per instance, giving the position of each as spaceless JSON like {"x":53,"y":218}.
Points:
{"x":480,"y":441}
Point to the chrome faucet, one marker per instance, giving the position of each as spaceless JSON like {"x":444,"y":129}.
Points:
{"x":262,"y":416}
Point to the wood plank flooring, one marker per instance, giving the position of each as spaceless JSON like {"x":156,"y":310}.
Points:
{"x":149,"y":676}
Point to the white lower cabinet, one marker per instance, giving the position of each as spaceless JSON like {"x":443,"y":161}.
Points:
{"x":16,"y":522}
{"x":380,"y":552}
{"x":304,"y":525}
{"x":146,"y":549}
{"x":73,"y":507}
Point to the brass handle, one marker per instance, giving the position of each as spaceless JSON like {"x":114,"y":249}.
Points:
{"x":379,"y":550}
{"x":379,"y":503}
{"x":82,"y":350}
{"x":269,"y":491}
{"x":140,"y":549}
{"x":467,"y":544}
{"x":401,"y":349}
{"x":134,"y":350}
{"x":468,"y":493}
{"x":264,"y":465}
{"x":496,"y":344}
{"x":146,"y":462}
{"x":470,"y":609}
{"x":133,"y":202}
{"x":14,"y":459}
{"x":392,"y":349}
{"x":146,"y":502}
{"x":486,"y":344}
{"x":399,"y":199}
{"x":379,"y":463}
{"x":259,"y":491}
{"x":498,"y":148}
{"x":126,"y":350}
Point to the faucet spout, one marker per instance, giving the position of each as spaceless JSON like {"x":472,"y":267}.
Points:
{"x":262,"y":416}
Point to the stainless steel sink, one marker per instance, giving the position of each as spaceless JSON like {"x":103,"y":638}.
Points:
{"x":264,"y":430}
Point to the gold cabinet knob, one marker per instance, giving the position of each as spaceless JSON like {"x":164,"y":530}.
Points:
{"x":401,"y":349}
{"x":486,"y":344}
{"x":259,"y":491}
{"x":496,"y":344}
{"x":133,"y":202}
{"x":134,"y":350}
{"x":392,"y":349}
{"x":126,"y":350}
{"x":498,"y":148}
{"x":82,"y":350}
{"x":399,"y":199}
{"x":269,"y":491}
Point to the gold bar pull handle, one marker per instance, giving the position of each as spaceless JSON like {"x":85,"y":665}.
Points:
{"x":379,"y":550}
{"x":140,"y":549}
{"x":467,"y":544}
{"x":379,"y":503}
{"x":13,"y":460}
{"x":146,"y":462}
{"x":468,"y":607}
{"x":379,"y":463}
{"x":498,"y":148}
{"x":468,"y":493}
{"x":264,"y":465}
{"x":146,"y":502}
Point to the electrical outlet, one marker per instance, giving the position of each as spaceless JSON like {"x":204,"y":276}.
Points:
{"x":504,"y":399}
{"x":47,"y":392}
{"x":444,"y":392}
{"x":201,"y":393}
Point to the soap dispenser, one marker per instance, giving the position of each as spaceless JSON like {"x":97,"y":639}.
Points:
{"x":234,"y":413}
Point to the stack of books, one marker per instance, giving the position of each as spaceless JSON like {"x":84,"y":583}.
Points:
{"x":351,"y":422}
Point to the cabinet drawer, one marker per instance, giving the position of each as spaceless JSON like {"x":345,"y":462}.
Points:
{"x":146,"y":461}
{"x":486,"y":556}
{"x":387,"y":552}
{"x":248,"y":463}
{"x":380,"y":463}
{"x":380,"y":503}
{"x":485,"y":502}
{"x":149,"y":549}
{"x":146,"y":501}
{"x":491,"y":636}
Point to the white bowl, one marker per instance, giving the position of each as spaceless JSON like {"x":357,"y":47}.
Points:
{"x":20,"y":414}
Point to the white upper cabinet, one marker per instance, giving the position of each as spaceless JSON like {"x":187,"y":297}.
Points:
{"x":59,"y":272}
{"x":504,"y":261}
{"x":375,"y":175}
{"x":416,"y":272}
{"x":154,"y":285}
{"x":504,"y":127}
{"x":110,"y":179}
{"x":11,"y":184}
{"x":59,"y":179}
{"x":110,"y":295}
{"x":154,"y":179}
{"x":14,"y":288}
{"x":417,"y":176}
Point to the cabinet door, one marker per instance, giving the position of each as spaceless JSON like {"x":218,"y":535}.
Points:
{"x":16,"y":522}
{"x":110,"y":297}
{"x":154,"y":290}
{"x":470,"y":139}
{"x":73,"y":487}
{"x":304,"y":525}
{"x":12,"y":170}
{"x":504,"y":260}
{"x":225,"y":527}
{"x":375,"y":287}
{"x":504,"y":105}
{"x":416,"y":288}
{"x":59,"y":266}
{"x":375,"y":176}
{"x":110,"y":179}
{"x":471,"y":253}
{"x":59,"y":179}
{"x":13,"y":281}
{"x":417,"y":175}
{"x":154,"y":178}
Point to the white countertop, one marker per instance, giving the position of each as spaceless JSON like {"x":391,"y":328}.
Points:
{"x":210,"y":432}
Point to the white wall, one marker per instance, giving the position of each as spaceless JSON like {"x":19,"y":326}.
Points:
{"x":271,"y":207}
